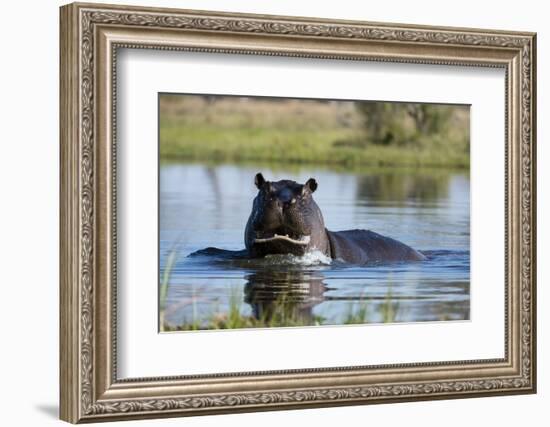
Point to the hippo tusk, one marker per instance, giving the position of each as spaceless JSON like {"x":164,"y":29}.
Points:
{"x":304,"y":240}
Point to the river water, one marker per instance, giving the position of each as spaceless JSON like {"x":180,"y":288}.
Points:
{"x":207,"y":206}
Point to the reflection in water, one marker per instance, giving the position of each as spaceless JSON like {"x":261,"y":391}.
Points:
{"x":402,"y":187}
{"x":208,"y":206}
{"x":284,"y":297}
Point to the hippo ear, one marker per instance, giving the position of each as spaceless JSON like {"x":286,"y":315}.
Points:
{"x":259,"y":180}
{"x":310,"y":184}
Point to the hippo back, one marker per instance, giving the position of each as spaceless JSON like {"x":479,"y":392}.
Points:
{"x":365,"y":246}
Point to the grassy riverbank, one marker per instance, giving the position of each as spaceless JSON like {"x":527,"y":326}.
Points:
{"x":284,"y":311}
{"x":330,"y":133}
{"x":284,"y":315}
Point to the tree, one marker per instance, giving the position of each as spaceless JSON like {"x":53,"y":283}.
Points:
{"x":401,"y":124}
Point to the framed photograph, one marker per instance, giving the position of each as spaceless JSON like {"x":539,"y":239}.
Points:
{"x":266,"y":212}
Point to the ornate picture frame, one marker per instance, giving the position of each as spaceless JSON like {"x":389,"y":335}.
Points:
{"x":91,"y":34}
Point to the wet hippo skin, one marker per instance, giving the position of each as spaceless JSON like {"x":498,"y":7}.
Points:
{"x":285,"y":219}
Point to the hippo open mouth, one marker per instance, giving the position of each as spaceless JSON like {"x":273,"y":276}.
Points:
{"x":296,"y":240}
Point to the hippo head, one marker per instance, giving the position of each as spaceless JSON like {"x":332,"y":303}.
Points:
{"x":285,"y":219}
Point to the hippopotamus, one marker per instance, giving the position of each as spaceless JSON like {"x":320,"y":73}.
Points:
{"x":286,"y":220}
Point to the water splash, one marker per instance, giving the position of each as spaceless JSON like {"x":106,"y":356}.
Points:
{"x":308,"y":259}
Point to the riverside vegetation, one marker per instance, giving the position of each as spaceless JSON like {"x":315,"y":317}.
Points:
{"x":333,"y":133}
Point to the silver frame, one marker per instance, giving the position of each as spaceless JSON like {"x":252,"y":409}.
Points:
{"x":90,"y":37}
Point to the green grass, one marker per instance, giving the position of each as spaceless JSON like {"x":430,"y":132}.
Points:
{"x":188,"y":142}
{"x":170,"y":262}
{"x":282,"y":316}
{"x":358,"y":313}
{"x":298,"y":132}
{"x":389,"y":308}
{"x":233,"y":319}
